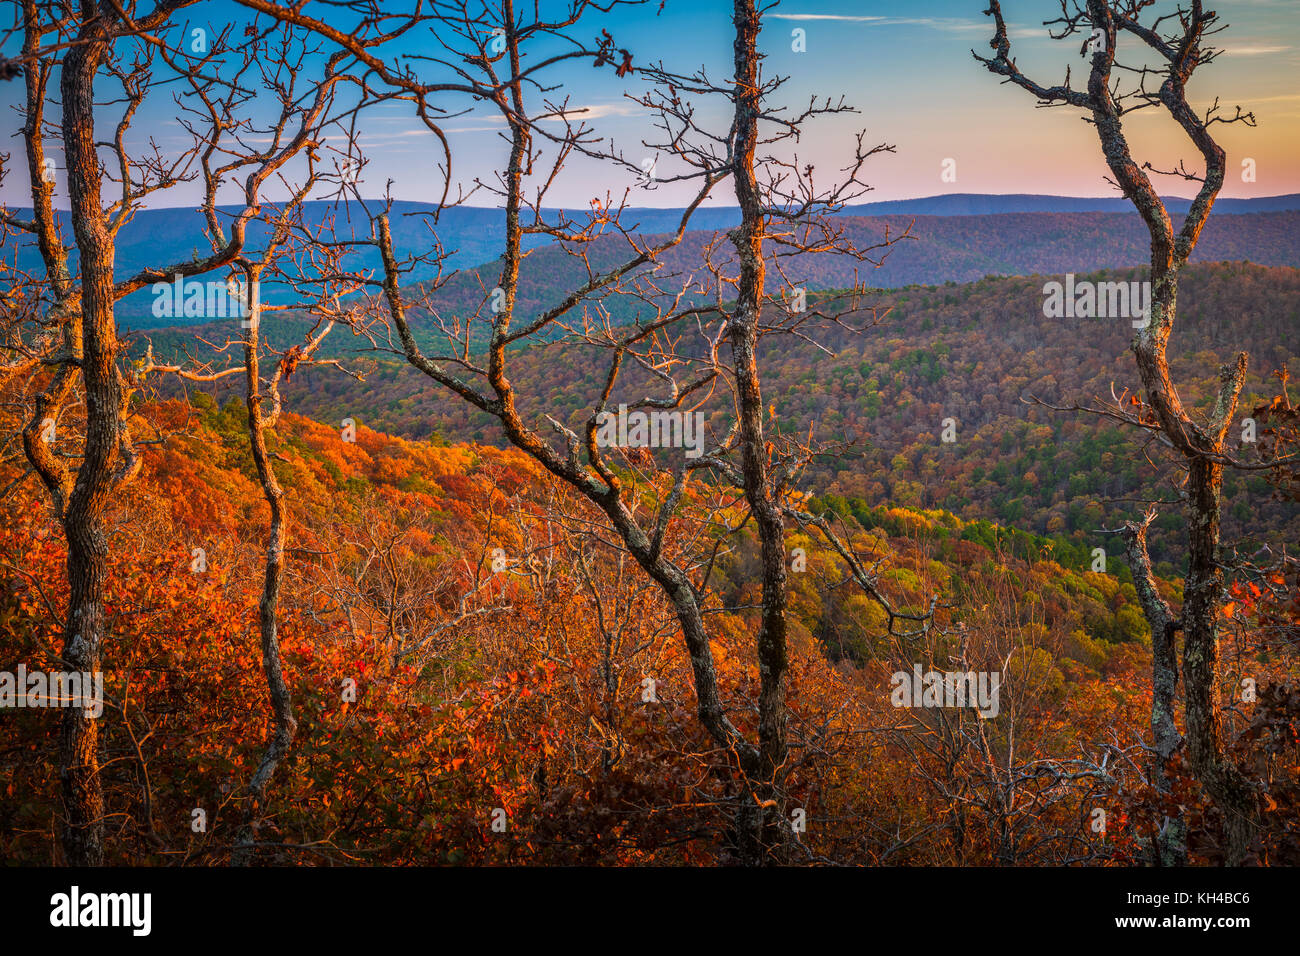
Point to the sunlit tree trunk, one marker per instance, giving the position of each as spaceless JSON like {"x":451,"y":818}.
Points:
{"x":285,"y":725}
{"x":1170,"y":844}
{"x":83,"y":521}
{"x":757,"y":822}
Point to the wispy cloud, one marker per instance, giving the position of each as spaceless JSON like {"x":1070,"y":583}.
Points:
{"x":495,"y":123}
{"x":822,"y":16}
{"x":370,"y":140}
{"x":599,"y":110}
{"x":464,"y":124}
{"x":1255,"y":50}
{"x":945,"y":24}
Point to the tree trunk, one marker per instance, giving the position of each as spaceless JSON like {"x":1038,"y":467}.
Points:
{"x":1222,"y":779}
{"x":758,"y":831}
{"x":53,"y":471}
{"x":84,"y":633}
{"x":1170,"y":844}
{"x":285,"y":724}
{"x":1225,"y":782}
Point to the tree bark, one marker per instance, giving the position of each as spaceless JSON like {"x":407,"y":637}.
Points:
{"x":758,"y":829}
{"x":1229,"y":787}
{"x":83,"y":521}
{"x":54,"y":473}
{"x":1170,"y":844}
{"x":285,"y":724}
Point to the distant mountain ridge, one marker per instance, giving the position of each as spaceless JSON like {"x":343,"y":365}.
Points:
{"x":962,"y":236}
{"x":982,"y":204}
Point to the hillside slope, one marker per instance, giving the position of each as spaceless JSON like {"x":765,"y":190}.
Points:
{"x":508,"y":707}
{"x":975,"y":353}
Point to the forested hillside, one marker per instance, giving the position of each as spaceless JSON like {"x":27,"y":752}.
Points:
{"x":477,"y":688}
{"x":976,"y":353}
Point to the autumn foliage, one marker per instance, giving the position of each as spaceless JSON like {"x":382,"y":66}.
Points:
{"x":522,"y":697}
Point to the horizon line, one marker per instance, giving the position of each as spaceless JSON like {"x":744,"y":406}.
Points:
{"x":876,"y":202}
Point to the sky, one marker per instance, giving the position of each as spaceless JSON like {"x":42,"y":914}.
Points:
{"x":907,"y":67}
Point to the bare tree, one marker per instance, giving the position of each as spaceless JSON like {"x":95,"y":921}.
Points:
{"x":1171,"y":46}
{"x":682,"y":321}
{"x":105,"y":53}
{"x":301,"y":256}
{"x":264,"y":406}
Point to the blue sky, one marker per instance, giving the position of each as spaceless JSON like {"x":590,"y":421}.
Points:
{"x":906,"y":66}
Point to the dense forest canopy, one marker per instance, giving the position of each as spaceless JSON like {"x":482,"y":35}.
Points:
{"x":976,"y":352}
